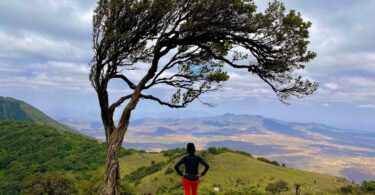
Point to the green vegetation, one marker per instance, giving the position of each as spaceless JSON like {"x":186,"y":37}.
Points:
{"x":36,"y":159}
{"x":27,"y":148}
{"x":277,"y":187}
{"x":174,"y":153}
{"x":269,"y":161}
{"x":50,"y":183}
{"x":367,"y":187}
{"x":142,"y":172}
{"x":13,"y":109}
{"x":220,"y":150}
{"x":234,"y":173}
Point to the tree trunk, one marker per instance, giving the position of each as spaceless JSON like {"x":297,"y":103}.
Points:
{"x":115,"y":136}
{"x":111,"y":184}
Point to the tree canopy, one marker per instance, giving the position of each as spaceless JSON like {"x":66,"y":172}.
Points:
{"x":199,"y":37}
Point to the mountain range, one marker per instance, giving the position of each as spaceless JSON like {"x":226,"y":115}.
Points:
{"x":309,"y":146}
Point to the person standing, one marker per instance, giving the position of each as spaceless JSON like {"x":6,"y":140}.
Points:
{"x":191,"y":161}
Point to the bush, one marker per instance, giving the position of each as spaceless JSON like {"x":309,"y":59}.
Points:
{"x":275,"y":163}
{"x":50,"y":183}
{"x":126,"y":152}
{"x":347,"y":189}
{"x":173,"y":153}
{"x":368,"y":186}
{"x":128,"y":189}
{"x":277,"y":187}
{"x":268,"y":161}
{"x":141,"y":172}
{"x":213,"y":150}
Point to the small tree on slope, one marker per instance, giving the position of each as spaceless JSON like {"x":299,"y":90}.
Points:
{"x":185,"y":45}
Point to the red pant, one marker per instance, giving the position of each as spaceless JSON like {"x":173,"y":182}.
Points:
{"x":189,"y":184}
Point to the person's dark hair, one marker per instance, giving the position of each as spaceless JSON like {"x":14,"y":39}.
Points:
{"x":190,"y":148}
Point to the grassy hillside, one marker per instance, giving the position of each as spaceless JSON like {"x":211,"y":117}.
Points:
{"x":32,"y":154}
{"x":27,"y":148}
{"x":13,"y":109}
{"x":136,"y":160}
{"x":230,"y":172}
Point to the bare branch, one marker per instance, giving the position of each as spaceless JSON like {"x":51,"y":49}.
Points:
{"x":150,"y":97}
{"x":124,"y":78}
{"x":119,"y":102}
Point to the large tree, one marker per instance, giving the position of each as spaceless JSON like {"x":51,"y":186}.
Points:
{"x":188,"y":46}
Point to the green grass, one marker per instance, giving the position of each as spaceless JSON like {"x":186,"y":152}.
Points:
{"x":134,"y":161}
{"x":236,"y":172}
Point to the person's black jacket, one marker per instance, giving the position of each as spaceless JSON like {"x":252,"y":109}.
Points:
{"x":191,"y":163}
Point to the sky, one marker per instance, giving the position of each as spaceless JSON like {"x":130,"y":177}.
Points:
{"x":45,"y":49}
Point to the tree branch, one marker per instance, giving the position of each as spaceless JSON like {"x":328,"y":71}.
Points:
{"x":249,"y":67}
{"x":124,"y":78}
{"x":119,"y":102}
{"x":150,"y":97}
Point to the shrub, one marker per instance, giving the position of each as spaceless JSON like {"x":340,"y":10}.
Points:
{"x":141,"y":172}
{"x":128,"y":189}
{"x":368,"y":186}
{"x":277,"y":187}
{"x":347,"y":189}
{"x":173,"y":153}
{"x":275,"y":163}
{"x":268,"y":161}
{"x":125,"y":152}
{"x":213,"y":150}
{"x":50,"y":183}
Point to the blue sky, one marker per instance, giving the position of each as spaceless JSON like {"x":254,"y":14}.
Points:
{"x":45,"y":49}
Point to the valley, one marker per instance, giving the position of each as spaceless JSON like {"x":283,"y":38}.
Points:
{"x":308,"y":146}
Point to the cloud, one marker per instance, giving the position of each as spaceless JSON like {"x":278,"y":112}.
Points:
{"x":332,"y":86}
{"x":347,"y":89}
{"x":371,"y":106}
{"x":46,"y":46}
{"x":43,"y":31}
{"x":62,"y":18}
{"x":52,"y":75}
{"x":26,"y":44}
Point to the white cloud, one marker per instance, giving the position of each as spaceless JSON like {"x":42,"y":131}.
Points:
{"x":27,"y":44}
{"x":46,"y":45}
{"x":349,"y":89}
{"x":332,"y":86}
{"x":52,"y":75}
{"x":371,"y":106}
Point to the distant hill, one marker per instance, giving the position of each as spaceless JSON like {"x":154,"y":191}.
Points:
{"x":13,"y":109}
{"x":308,"y":146}
{"x":27,"y":148}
